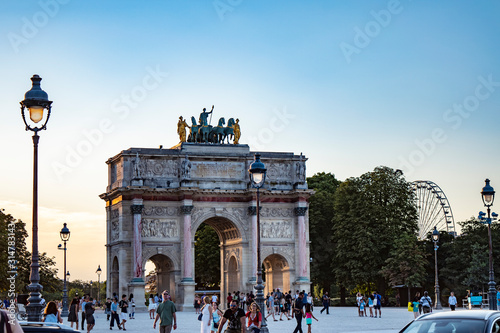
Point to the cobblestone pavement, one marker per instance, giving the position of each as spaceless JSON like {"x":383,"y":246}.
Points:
{"x":340,"y":320}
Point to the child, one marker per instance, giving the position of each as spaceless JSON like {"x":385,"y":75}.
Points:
{"x":308,"y":315}
{"x":361,"y":307}
{"x":370,"y":304}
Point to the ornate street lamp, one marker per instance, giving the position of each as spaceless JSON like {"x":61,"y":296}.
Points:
{"x":90,"y":293}
{"x":488,"y":196}
{"x":258,"y":177}
{"x":435,"y":239}
{"x":64,"y":233}
{"x":67,"y":276}
{"x":99,"y":271}
{"x":36,"y":101}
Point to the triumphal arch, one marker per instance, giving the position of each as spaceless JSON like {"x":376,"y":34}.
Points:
{"x":157,"y":198}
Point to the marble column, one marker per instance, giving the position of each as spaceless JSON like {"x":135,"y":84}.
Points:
{"x":300,"y":212}
{"x":137,"y":263}
{"x":188,"y":251}
{"x":187,"y":285}
{"x":252,"y":211}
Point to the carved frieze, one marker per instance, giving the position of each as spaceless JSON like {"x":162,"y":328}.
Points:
{"x":209,"y":169}
{"x":159,"y":228}
{"x":115,"y":230}
{"x":276,"y":229}
{"x":279,"y":172}
{"x":276,"y":212}
{"x":160,"y":211}
{"x":159,"y":168}
{"x":115,"y":213}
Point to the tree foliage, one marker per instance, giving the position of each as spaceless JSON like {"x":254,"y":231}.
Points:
{"x":371,"y":212}
{"x":321,"y":214}
{"x":207,"y":258}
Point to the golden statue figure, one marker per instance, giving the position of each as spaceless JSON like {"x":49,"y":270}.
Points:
{"x":181,"y":129}
{"x":237,"y":132}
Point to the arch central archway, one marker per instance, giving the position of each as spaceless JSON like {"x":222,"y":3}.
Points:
{"x":165,"y":274}
{"x":232,"y":260}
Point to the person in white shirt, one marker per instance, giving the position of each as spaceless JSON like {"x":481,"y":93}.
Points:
{"x":452,"y":300}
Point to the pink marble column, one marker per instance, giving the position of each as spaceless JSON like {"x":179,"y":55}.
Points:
{"x":252,"y":210}
{"x":300,"y":212}
{"x":137,"y":212}
{"x":188,"y":253}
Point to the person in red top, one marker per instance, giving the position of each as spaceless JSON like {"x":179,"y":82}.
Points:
{"x":254,"y":318}
{"x":229,"y":299}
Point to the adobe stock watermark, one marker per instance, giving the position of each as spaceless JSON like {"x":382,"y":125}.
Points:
{"x":364,"y":36}
{"x":453,"y":116}
{"x":277,"y":124}
{"x":121,"y":107}
{"x":222,"y":7}
{"x":12,"y":270}
{"x":31,"y":27}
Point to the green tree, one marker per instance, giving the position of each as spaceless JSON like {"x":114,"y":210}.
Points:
{"x":406,"y":262}
{"x":371,"y":212}
{"x":320,"y":227}
{"x":207,"y":257}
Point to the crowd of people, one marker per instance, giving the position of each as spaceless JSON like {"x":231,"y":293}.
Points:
{"x":373,"y":303}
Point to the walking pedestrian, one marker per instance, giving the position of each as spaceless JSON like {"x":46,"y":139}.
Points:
{"x":73,"y":312}
{"x":123,"y":305}
{"x":235,"y":318}
{"x":107,"y":310}
{"x":310,"y":300}
{"x":166,"y":313}
{"x":85,"y":299}
{"x":114,"y":314}
{"x":309,"y":317}
{"x":416,"y":306}
{"x":151,"y":306}
{"x":377,"y":304}
{"x":452,"y":301}
{"x":197,"y":304}
{"x":131,"y":301}
{"x":298,"y":312}
{"x":216,"y":316}
{"x":326,"y":303}
{"x":89,"y":314}
{"x":206,"y":318}
{"x":271,"y":306}
{"x":426,"y":303}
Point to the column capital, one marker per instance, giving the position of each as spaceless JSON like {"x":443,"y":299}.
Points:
{"x":300,"y":211}
{"x":136,"y":209}
{"x":186,"y":210}
{"x":252,"y":210}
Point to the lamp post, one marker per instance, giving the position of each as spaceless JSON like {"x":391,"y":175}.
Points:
{"x":67,"y":276}
{"x":64,"y":233}
{"x":488,"y":196}
{"x":36,"y":101}
{"x":258,"y":177}
{"x":90,"y":293}
{"x":435,"y":239}
{"x":98,"y":271}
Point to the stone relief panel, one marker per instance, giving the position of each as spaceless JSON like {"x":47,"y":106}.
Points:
{"x":159,"y":228}
{"x":276,"y":229}
{"x":276,"y":212}
{"x":279,"y":172}
{"x":115,"y":230}
{"x":159,"y":168}
{"x":208,"y":169}
{"x":160,"y":211}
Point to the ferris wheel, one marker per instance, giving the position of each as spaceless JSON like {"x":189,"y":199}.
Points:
{"x":433,"y":208}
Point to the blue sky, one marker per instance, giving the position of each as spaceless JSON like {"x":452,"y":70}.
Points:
{"x":266,"y":63}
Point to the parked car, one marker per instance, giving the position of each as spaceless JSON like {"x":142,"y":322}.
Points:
{"x":475,"y":321}
{"x":45,"y":327}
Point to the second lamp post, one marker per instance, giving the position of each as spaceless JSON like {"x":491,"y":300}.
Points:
{"x":64,"y":237}
{"x":258,"y":177}
{"x":435,"y":239}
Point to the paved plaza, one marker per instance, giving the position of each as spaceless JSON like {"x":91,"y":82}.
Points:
{"x":340,"y":320}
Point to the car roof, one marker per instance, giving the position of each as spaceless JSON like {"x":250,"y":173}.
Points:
{"x":463,"y":314}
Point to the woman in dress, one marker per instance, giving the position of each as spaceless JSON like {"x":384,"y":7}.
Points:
{"x":131,"y":301}
{"x":51,"y":313}
{"x":197,"y":304}
{"x":216,"y":316}
{"x":206,"y":310}
{"x":254,"y":318}
{"x":73,"y":312}
{"x":151,"y":306}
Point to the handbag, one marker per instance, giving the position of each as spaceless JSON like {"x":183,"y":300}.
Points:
{"x":200,"y":317}
{"x":410,"y":306}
